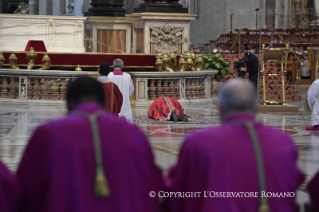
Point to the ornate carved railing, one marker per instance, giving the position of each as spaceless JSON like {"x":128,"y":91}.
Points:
{"x":188,"y":86}
{"x":36,"y":84}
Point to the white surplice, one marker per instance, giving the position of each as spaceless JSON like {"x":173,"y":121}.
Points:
{"x":313,"y":102}
{"x":125,"y":84}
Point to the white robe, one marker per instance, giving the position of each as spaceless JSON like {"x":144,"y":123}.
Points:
{"x":125,"y":84}
{"x":313,"y":102}
{"x":305,"y":69}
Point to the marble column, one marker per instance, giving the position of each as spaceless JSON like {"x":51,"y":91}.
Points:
{"x":78,"y":7}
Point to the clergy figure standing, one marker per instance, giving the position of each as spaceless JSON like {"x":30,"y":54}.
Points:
{"x":313,"y":102}
{"x":84,"y":162}
{"x":125,"y":84}
{"x":241,"y":155}
{"x":10,"y":191}
{"x":113,"y":95}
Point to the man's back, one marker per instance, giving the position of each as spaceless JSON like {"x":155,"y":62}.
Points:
{"x":10,"y":191}
{"x":125,"y":84}
{"x":57,"y":171}
{"x":221,"y":159}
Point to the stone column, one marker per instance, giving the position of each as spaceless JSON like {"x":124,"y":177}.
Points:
{"x":78,"y":7}
{"x":42,"y":8}
{"x":56,"y":7}
{"x":33,"y":7}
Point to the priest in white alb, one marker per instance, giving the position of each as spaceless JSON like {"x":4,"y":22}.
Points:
{"x":125,"y":84}
{"x":313,"y":102}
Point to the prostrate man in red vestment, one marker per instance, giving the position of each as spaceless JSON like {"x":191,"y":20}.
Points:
{"x":113,"y":95}
{"x":84,"y":162}
{"x":221,"y":162}
{"x":167,"y":108}
{"x":125,"y":84}
{"x":313,"y":188}
{"x":10,"y":191}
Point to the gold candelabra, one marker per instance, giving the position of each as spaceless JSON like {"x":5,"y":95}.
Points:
{"x":189,"y":61}
{"x":1,"y":59}
{"x":31,"y":55}
{"x":13,"y":61}
{"x":46,"y":62}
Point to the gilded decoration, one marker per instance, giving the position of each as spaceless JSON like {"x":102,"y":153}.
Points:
{"x":13,"y":61}
{"x":31,"y":55}
{"x":46,"y":62}
{"x":1,"y":59}
{"x":166,"y":39}
{"x":189,"y":61}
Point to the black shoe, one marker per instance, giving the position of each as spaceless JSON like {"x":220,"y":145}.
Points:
{"x":174,"y":116}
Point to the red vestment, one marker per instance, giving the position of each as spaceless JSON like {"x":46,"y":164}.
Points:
{"x":163,"y":106}
{"x":113,"y":97}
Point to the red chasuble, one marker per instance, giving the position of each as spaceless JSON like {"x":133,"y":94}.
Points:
{"x":10,"y":191}
{"x":113,"y":97}
{"x":163,"y":106}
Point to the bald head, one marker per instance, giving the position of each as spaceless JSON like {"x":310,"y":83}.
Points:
{"x":237,"y":96}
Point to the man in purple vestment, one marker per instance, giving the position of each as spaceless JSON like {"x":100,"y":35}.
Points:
{"x":89,"y":160}
{"x":313,"y":188}
{"x":219,"y":160}
{"x":10,"y":191}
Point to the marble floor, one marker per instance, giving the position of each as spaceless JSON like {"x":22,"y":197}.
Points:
{"x":19,"y":119}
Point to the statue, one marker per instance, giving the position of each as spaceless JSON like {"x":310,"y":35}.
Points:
{"x":22,"y":9}
{"x":166,"y":39}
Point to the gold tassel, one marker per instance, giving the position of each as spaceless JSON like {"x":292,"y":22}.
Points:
{"x":101,"y":188}
{"x":263,"y":208}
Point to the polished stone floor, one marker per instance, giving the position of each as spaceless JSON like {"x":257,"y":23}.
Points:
{"x":19,"y":119}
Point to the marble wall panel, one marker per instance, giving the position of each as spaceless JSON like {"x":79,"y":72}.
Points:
{"x":55,"y":31}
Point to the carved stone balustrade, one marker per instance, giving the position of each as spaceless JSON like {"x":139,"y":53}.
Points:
{"x":36,"y":84}
{"x":188,"y":87}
